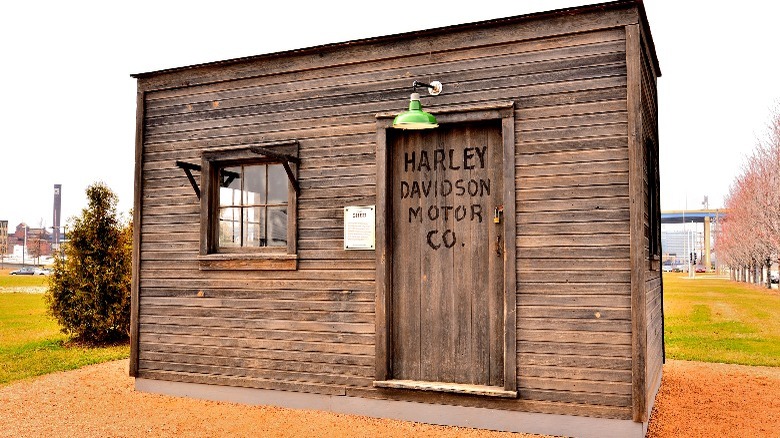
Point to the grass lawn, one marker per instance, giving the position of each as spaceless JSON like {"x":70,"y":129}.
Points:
{"x":718,"y":320}
{"x":707,"y":319}
{"x":7,"y":280}
{"x":31,"y":343}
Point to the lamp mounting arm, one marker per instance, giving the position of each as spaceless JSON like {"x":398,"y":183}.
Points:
{"x":434,"y":88}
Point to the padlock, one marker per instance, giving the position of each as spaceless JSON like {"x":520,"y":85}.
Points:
{"x":497,"y":214}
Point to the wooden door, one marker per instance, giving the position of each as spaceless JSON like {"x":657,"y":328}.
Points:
{"x":447,"y":305}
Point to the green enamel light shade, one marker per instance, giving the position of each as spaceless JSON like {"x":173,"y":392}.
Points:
{"x":415,"y":118}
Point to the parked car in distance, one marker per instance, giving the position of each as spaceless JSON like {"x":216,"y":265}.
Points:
{"x":25,"y":270}
{"x":700,"y":269}
{"x":30,"y":270}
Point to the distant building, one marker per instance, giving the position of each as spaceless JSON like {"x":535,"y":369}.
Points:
{"x":677,"y":245}
{"x":38,"y":240}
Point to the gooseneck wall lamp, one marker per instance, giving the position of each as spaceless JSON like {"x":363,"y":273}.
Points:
{"x":415,"y":117}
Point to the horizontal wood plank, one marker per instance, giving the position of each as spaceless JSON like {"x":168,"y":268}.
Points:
{"x":240,"y":381}
{"x":301,"y":356}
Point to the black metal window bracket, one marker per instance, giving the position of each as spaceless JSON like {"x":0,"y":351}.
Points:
{"x":188,"y":168}
{"x":229,"y":177}
{"x":285,"y":160}
{"x":226,"y":176}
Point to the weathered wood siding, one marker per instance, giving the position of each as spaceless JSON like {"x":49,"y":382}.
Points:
{"x":653,"y":280}
{"x":574,"y":309}
{"x":313,"y":329}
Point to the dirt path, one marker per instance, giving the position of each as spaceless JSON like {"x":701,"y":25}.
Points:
{"x":717,"y":400}
{"x":696,"y":400}
{"x":99,"y":401}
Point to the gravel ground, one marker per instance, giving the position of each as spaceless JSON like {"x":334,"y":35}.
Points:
{"x":700,"y":399}
{"x":696,"y":399}
{"x":24,"y":289}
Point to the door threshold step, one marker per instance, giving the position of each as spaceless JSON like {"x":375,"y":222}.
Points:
{"x":456,"y":388}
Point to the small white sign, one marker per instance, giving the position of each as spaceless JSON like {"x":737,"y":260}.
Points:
{"x":360,"y":227}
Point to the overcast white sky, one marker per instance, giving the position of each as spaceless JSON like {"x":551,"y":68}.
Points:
{"x":68,"y":102}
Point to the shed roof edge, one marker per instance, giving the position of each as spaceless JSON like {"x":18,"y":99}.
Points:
{"x":518,"y":18}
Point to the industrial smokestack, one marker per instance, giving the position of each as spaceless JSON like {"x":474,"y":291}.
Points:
{"x":56,"y":220}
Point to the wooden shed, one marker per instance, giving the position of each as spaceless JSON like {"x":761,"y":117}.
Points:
{"x":500,"y":271}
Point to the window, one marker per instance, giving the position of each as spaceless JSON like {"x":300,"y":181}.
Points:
{"x":248,"y":208}
{"x":253,"y":206}
{"x":653,"y":204}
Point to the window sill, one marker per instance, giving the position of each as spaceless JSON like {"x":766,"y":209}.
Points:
{"x":248,"y":262}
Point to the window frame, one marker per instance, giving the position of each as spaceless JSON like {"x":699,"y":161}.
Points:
{"x":214,"y":257}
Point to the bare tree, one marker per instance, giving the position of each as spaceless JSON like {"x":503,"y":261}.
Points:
{"x":749,"y":241}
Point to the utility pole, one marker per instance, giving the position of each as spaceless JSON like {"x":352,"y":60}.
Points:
{"x":24,"y":248}
{"x":3,"y":242}
{"x":691,"y":255}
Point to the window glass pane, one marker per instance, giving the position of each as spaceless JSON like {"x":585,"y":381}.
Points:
{"x":254,"y":185}
{"x":231,"y":194}
{"x":254,"y":226}
{"x":277,"y":184}
{"x":230,"y":227}
{"x":277,"y":226}
{"x":252,"y":206}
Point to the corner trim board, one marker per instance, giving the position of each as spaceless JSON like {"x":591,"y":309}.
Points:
{"x":136,"y":252}
{"x":636,"y":208}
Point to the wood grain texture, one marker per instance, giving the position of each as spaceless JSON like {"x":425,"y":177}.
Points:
{"x":315,"y":79}
{"x":373,"y":50}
